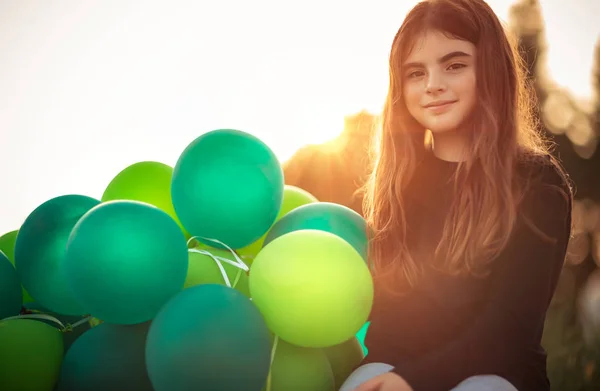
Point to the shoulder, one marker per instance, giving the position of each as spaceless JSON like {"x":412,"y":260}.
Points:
{"x":546,"y":194}
{"x":543,"y":175}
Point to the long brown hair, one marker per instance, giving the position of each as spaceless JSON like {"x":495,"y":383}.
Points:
{"x":501,"y":132}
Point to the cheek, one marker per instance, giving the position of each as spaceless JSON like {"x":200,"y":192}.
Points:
{"x":412,"y":96}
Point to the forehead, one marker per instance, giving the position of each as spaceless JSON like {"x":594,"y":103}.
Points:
{"x":432,"y":45}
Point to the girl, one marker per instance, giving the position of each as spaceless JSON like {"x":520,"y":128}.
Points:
{"x":471,"y":224}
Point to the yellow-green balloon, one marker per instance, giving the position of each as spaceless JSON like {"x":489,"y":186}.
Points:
{"x":31,"y":355}
{"x":344,"y":358}
{"x":202,"y":269}
{"x":293,"y":197}
{"x":300,"y":369}
{"x":148,"y":182}
{"x":7,"y":246}
{"x":312,"y":287}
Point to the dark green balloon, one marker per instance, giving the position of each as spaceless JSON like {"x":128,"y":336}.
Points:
{"x":227,"y":185}
{"x":324,"y":216}
{"x":40,"y":252}
{"x":11,"y":297}
{"x":209,"y":337}
{"x":107,"y":357}
{"x":30,"y":355}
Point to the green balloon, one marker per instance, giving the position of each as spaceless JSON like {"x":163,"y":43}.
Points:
{"x":7,"y":246}
{"x":40,"y":252}
{"x":202,"y":269}
{"x":148,"y":182}
{"x":299,"y":369}
{"x":344,"y":358}
{"x":31,"y":355}
{"x":124,"y":260}
{"x":325,"y":216}
{"x":11,"y":298}
{"x":312,"y":287}
{"x":227,"y":185}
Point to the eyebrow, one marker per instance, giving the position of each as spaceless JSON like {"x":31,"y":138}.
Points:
{"x":441,"y":60}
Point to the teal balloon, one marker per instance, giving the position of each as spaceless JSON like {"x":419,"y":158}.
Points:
{"x":227,"y":185}
{"x":125,"y":260}
{"x":11,"y":296}
{"x":361,"y":335}
{"x":40,"y":252}
{"x":324,"y":216}
{"x":107,"y":357}
{"x":209,"y":337}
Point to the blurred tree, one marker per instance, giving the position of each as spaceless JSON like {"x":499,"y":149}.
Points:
{"x":334,"y":171}
{"x":573,"y":364}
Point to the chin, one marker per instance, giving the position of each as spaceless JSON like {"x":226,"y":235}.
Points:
{"x":442,"y":128}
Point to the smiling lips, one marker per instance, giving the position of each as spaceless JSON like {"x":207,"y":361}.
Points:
{"x":439,"y":106}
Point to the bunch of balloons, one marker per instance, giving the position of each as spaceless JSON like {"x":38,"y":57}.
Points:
{"x":212,"y":274}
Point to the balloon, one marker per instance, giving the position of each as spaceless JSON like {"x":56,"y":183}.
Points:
{"x":7,"y":245}
{"x":11,"y":297}
{"x":40,"y":252}
{"x":361,"y":335}
{"x":68,"y":336}
{"x":293,"y":197}
{"x":344,"y":358}
{"x":108,"y":357}
{"x":203,"y":269}
{"x":125,"y":260}
{"x":209,"y":337}
{"x":328,"y":217}
{"x":148,"y":182}
{"x":312,"y":287}
{"x":31,"y":355}
{"x":227,"y":185}
{"x":297,"y":369}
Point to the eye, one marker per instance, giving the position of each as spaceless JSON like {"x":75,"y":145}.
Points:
{"x":456,"y":66}
{"x":415,"y":74}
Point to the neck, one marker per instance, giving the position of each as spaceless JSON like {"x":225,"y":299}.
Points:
{"x":450,"y":146}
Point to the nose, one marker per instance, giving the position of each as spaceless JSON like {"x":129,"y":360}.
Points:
{"x":435,"y":83}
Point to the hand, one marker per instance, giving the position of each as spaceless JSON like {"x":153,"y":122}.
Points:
{"x":387,"y":382}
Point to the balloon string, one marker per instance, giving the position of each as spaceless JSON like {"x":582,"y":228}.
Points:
{"x":219,"y":265}
{"x":37,"y":316}
{"x":241,"y":263}
{"x":70,"y":327}
{"x":273,"y":350}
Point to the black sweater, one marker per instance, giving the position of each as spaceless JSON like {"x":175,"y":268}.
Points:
{"x":450,"y":328}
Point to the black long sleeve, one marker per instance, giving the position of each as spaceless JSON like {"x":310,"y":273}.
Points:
{"x":504,"y":335}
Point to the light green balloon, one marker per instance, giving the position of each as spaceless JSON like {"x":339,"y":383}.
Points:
{"x":148,"y":182}
{"x":344,"y":358}
{"x":300,"y":369}
{"x":312,"y":287}
{"x":202,"y":269}
{"x":30,"y":355}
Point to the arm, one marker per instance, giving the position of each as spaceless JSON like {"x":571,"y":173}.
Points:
{"x":522,"y":286}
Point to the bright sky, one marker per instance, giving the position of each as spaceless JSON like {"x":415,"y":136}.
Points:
{"x":88,"y":89}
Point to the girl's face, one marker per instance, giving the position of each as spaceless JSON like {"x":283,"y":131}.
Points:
{"x":438,"y":82}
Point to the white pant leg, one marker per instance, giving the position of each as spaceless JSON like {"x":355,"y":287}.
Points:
{"x":485,"y":383}
{"x":364,"y":373}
